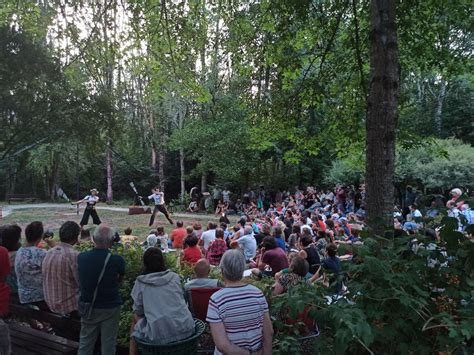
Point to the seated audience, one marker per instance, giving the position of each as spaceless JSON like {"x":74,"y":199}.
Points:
{"x":177,"y":236}
{"x":160,"y":314}
{"x":163,"y":238}
{"x":310,"y":253}
{"x":248,"y":244}
{"x":192,"y":253}
{"x":105,"y":312}
{"x":331,"y":262}
{"x":208,"y":236}
{"x":10,"y":236}
{"x":4,"y":288}
{"x":271,"y":256}
{"x":202,"y":280}
{"x":278,"y":235}
{"x":60,"y":278}
{"x":128,"y":237}
{"x":217,"y":248}
{"x":296,"y":273}
{"x":28,"y":263}
{"x":238,"y":314}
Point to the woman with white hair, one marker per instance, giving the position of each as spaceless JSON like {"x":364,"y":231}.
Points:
{"x":238,"y":313}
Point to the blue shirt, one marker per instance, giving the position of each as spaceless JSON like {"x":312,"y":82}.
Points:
{"x":281,"y":242}
{"x":90,"y":264}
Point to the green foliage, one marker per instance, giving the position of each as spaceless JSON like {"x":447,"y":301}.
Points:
{"x":435,"y":164}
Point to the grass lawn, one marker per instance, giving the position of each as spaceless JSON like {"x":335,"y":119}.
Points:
{"x":52,"y":218}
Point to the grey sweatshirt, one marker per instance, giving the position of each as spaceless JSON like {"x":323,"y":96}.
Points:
{"x":159,"y":298}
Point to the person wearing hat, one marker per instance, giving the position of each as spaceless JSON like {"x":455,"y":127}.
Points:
{"x":158,"y":197}
{"x":90,"y":211}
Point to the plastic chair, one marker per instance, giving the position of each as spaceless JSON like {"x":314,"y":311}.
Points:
{"x":182,"y":347}
{"x":200,"y":301}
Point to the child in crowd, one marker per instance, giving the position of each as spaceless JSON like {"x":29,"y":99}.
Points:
{"x":163,"y":238}
{"x":151,"y":239}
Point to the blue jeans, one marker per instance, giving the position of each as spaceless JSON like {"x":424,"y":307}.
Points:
{"x":103,"y":321}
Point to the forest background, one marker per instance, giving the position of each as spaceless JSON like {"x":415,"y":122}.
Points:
{"x":234,"y":93}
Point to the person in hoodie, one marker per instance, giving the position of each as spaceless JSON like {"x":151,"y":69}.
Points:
{"x":160,"y":312}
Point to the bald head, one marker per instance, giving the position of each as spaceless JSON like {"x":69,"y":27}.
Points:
{"x":202,"y":269}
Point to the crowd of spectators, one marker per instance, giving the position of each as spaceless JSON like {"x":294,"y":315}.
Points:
{"x":285,"y":243}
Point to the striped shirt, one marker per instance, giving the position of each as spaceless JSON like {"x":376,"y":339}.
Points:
{"x":60,"y":279}
{"x":241,"y":310}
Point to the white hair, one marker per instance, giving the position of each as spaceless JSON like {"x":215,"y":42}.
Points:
{"x":103,"y":236}
{"x":233,"y":265}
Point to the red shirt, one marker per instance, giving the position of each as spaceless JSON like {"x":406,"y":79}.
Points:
{"x":192,"y":254}
{"x":276,"y":258}
{"x":4,"y":289}
{"x":322,"y":225}
{"x":177,"y":236}
{"x":217,"y":248}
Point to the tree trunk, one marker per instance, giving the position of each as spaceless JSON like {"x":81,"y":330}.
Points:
{"x":161,"y":167}
{"x":108,"y":162}
{"x":203,"y":182}
{"x":153,"y":156}
{"x":439,"y":107}
{"x":55,"y":177}
{"x":382,"y":115}
{"x":182,"y":173}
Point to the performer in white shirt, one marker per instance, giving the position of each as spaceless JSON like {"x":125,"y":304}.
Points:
{"x":158,"y":197}
{"x":91,"y":201}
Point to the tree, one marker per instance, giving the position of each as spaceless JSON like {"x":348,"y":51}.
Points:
{"x":382,"y":114}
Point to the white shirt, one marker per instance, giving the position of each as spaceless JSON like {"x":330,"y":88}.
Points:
{"x":207,"y":237}
{"x":91,"y":200}
{"x":159,"y":199}
{"x":226,"y":195}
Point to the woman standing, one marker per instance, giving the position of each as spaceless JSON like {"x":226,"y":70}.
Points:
{"x":91,"y":201}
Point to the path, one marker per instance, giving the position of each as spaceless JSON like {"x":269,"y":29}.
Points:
{"x":8,"y":209}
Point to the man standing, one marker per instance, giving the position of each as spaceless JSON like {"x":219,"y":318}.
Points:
{"x":158,"y":198}
{"x":91,"y":201}
{"x":105,"y":307}
{"x":59,"y":269}
{"x":226,"y":195}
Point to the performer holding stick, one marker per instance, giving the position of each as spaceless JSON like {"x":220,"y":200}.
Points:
{"x":90,"y":200}
{"x":159,"y":198}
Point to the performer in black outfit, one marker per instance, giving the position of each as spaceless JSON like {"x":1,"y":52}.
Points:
{"x":91,"y":200}
{"x":158,"y":198}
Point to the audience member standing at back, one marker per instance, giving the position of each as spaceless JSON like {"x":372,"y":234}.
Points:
{"x":28,"y":263}
{"x":105,"y":315}
{"x":60,"y":278}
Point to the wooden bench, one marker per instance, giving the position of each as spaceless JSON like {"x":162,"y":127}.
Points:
{"x":67,"y":328}
{"x":20,"y":198}
{"x":25,"y":340}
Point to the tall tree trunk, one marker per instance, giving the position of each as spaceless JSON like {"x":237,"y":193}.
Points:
{"x":382,"y":115}
{"x":204,"y":182}
{"x":153,"y":156}
{"x":54,"y":176}
{"x":182,"y":173}
{"x":161,"y":167}
{"x":108,"y":161}
{"x":439,"y":107}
